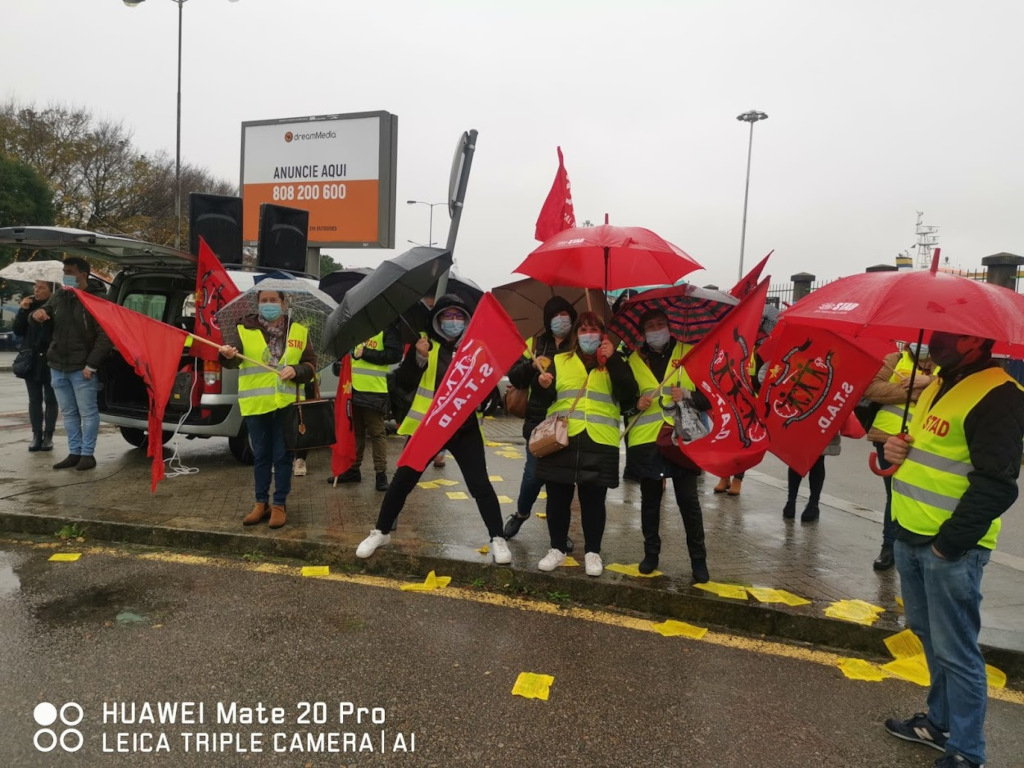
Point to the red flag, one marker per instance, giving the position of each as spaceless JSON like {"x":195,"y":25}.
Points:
{"x":557,"y":213}
{"x":214,"y":289}
{"x":488,"y":349}
{"x":343,"y":452}
{"x":153,"y":349}
{"x":749,"y":281}
{"x":719,"y":367}
{"x":814,"y":379}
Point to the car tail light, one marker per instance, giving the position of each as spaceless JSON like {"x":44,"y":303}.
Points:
{"x":211,"y":376}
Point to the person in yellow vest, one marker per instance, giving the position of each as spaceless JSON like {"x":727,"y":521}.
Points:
{"x":371,"y":362}
{"x":263,"y":395}
{"x":957,"y":475}
{"x":889,"y":390}
{"x":599,"y":381}
{"x":650,"y":363}
{"x":424,"y":367}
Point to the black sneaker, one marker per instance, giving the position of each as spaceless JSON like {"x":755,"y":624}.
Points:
{"x":811,"y":513}
{"x":350,"y":476}
{"x":789,"y":511}
{"x":885,"y":560}
{"x":699,"y":569}
{"x":918,"y":728}
{"x":382,"y":481}
{"x":512,"y":525}
{"x":649,"y":564}
{"x":956,"y":761}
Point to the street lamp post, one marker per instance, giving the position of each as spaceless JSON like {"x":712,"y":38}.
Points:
{"x":751,"y":117}
{"x":430,"y":235}
{"x":177,"y":140}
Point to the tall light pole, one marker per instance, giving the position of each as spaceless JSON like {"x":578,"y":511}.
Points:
{"x":430,"y":235}
{"x":177,"y":140}
{"x":748,"y":117}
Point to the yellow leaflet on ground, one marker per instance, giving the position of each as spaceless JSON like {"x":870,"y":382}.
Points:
{"x":673,"y":628}
{"x":65,"y":557}
{"x":790,"y":599}
{"x":734,"y":591}
{"x":484,"y":549}
{"x":542,"y":495}
{"x":428,"y":486}
{"x":914,"y":669}
{"x":442,"y":481}
{"x":429,"y":584}
{"x":496,"y":478}
{"x":504,"y":500}
{"x":493,"y":444}
{"x":455,"y":495}
{"x":530,"y":685}
{"x":506,"y":455}
{"x":769,"y":595}
{"x":854,"y":610}
{"x":570,"y":562}
{"x":904,"y":644}
{"x":631,"y":570}
{"x":899,"y":601}
{"x":542,"y":515}
{"x":996,"y":677}
{"x":488,"y":417}
{"x":858,"y":669}
{"x":316,"y":570}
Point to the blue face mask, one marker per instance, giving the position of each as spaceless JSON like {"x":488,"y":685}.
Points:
{"x":560,"y":326}
{"x":70,"y":281}
{"x":589,"y":342}
{"x":270,"y":312}
{"x":453,"y":328}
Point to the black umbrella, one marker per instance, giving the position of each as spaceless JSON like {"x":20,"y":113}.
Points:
{"x":337,"y":284}
{"x":382,"y":296}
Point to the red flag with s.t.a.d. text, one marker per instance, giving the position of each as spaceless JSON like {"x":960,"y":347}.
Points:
{"x":343,"y":452}
{"x":489,"y":347}
{"x":154,"y":350}
{"x":557,"y":212}
{"x":214,"y":289}
{"x":719,"y":367}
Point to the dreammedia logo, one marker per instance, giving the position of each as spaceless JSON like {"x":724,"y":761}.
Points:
{"x":46,"y":739}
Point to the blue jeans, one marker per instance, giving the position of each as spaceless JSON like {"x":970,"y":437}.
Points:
{"x":888,"y":526}
{"x":77,"y":398}
{"x":942,"y":600}
{"x":529,"y":488}
{"x":266,"y":436}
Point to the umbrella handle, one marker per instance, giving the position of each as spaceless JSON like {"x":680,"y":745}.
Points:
{"x":873,"y":462}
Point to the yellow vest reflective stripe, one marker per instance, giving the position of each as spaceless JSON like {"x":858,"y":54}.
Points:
{"x":646,"y":427}
{"x":424,"y":395}
{"x":889,"y":418}
{"x":260,"y":390}
{"x":367,"y":377}
{"x":928,"y":485}
{"x":596,"y":412}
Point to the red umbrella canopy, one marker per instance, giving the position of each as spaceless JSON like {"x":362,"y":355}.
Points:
{"x":898,"y":305}
{"x":691,"y":311}
{"x":607,"y":257}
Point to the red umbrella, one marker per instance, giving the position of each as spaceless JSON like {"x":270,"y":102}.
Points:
{"x":607,"y":257}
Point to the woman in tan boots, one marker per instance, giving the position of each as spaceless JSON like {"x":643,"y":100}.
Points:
{"x":730,"y":485}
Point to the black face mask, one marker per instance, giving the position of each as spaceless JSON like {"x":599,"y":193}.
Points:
{"x":944,"y":353}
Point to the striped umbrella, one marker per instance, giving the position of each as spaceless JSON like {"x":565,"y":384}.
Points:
{"x":692,"y":312}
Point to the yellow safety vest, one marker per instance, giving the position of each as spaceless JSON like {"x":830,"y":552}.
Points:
{"x":368,"y":377}
{"x":260,"y":390}
{"x":424,"y":395}
{"x":889,"y":418}
{"x":596,"y":412}
{"x":646,"y":427}
{"x":929,"y":483}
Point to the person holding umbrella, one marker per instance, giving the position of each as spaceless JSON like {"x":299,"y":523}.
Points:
{"x":424,"y":367}
{"x":591,"y":384}
{"x":957,"y":474}
{"x":651,"y":364}
{"x":288,"y":362}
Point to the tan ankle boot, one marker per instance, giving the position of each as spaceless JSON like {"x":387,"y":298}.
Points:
{"x":734,"y":487}
{"x":277,"y":515}
{"x":259,"y":511}
{"x":723,"y":485}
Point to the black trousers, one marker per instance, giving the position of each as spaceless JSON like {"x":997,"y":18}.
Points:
{"x":38,"y":395}
{"x":592,"y":514}
{"x":467,"y":448}
{"x":651,"y":491}
{"x":816,"y":479}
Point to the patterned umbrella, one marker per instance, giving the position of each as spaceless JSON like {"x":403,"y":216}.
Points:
{"x":692,"y":312}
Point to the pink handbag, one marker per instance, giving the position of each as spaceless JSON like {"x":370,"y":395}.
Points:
{"x":552,"y":434}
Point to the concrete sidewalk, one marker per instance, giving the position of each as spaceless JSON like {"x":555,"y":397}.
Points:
{"x":749,"y":543}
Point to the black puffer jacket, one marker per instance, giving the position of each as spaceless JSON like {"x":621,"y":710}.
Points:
{"x":585,"y":462}
{"x":78,"y":340}
{"x":524,"y":373}
{"x":36,"y":337}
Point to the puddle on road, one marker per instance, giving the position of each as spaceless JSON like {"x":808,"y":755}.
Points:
{"x":126,"y":603}
{"x":9,"y":581}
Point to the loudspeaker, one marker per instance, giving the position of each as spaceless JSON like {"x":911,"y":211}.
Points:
{"x":284,"y":233}
{"x":218,"y":219}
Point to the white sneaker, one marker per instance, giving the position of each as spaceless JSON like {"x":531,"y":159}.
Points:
{"x":299,"y":468}
{"x":551,"y":560}
{"x":369,"y":545}
{"x":592,"y":564}
{"x":500,"y":550}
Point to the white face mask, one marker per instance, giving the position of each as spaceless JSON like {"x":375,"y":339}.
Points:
{"x":560,"y":326}
{"x":589,"y":342}
{"x":658,"y":339}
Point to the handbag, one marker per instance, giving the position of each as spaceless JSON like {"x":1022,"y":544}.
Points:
{"x":515,"y":401}
{"x":24,"y":363}
{"x":686,"y":427}
{"x":309,"y":423}
{"x":552,"y":434}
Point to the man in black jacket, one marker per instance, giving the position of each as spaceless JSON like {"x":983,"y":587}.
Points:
{"x":78,"y":348}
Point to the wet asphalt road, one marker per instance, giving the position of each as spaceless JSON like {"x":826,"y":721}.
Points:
{"x":133,"y":626}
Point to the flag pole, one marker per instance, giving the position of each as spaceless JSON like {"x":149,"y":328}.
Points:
{"x":237,"y":354}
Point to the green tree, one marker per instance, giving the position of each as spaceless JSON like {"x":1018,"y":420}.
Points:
{"x":25,"y":198}
{"x":327,"y":265}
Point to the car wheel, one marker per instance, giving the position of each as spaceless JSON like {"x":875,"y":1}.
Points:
{"x":240,"y":447}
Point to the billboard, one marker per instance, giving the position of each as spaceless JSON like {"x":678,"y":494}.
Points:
{"x":340,"y":168}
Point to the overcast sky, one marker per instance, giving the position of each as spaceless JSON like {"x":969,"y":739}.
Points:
{"x":877,"y":109}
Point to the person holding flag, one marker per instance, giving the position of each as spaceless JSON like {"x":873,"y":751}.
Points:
{"x":657,"y":367}
{"x":425,"y":369}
